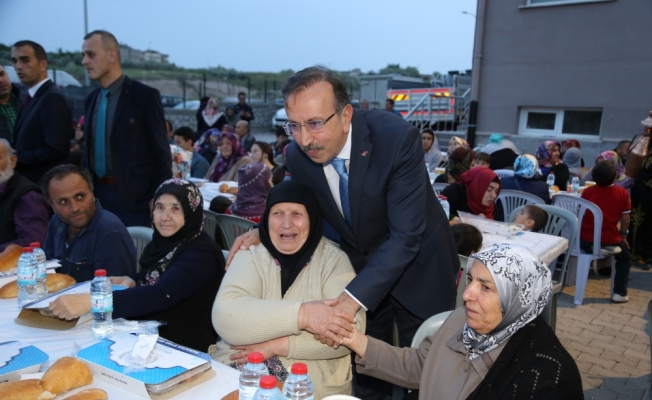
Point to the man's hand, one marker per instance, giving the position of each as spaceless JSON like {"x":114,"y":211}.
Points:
{"x":275,"y":347}
{"x":242,"y":242}
{"x":346,"y":304}
{"x":322,"y":318}
{"x":71,"y":306}
{"x":122,"y":281}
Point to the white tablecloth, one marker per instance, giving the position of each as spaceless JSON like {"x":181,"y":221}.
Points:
{"x":58,"y":344}
{"x":546,"y":247}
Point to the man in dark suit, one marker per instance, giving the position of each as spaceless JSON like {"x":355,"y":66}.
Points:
{"x":391,"y":225}
{"x":43,"y":129}
{"x":127,"y":148}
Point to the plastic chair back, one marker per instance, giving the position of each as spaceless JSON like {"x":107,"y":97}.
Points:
{"x":141,"y":235}
{"x":511,"y":199}
{"x":232,"y":227}
{"x":504,"y":173}
{"x":210,"y":222}
{"x":429,"y":327}
{"x":438,"y":187}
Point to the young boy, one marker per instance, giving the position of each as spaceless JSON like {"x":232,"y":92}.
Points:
{"x":481,"y":159}
{"x":616,"y":207}
{"x":532,"y":217}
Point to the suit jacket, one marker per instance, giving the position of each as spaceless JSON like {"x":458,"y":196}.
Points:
{"x":401,"y":242}
{"x":43,"y":132}
{"x":140,"y":153}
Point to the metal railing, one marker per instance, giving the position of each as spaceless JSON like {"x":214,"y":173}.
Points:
{"x":436,"y":108}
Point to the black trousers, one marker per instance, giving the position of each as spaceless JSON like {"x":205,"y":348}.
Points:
{"x":623,"y":263}
{"x":380,"y":325}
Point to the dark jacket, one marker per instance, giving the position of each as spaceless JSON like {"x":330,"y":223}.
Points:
{"x":43,"y":132}
{"x":17,"y":187}
{"x":140,"y":152}
{"x":5,"y":131}
{"x":536,"y":187}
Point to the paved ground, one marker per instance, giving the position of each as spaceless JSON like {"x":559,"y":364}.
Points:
{"x":609,"y":342}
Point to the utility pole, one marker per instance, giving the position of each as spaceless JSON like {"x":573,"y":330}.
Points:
{"x":87,"y":81}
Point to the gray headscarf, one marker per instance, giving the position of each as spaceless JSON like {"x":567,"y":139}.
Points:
{"x":524,"y":287}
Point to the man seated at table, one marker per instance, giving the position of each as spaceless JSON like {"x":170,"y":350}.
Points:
{"x":82,"y":235}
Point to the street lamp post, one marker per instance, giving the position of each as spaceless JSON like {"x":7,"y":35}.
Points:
{"x":87,"y":81}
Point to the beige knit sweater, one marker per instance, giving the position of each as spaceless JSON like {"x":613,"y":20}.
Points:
{"x":249,"y":309}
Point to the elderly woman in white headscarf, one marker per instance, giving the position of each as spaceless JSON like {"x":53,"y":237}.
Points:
{"x":495,"y":347}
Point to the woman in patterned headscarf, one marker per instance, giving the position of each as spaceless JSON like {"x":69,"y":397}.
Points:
{"x":253,"y":188}
{"x":232,"y":157}
{"x":181,"y":271}
{"x":527,"y":178}
{"x":495,"y":347}
{"x":622,"y":180}
{"x":550,"y":162}
{"x":459,"y":161}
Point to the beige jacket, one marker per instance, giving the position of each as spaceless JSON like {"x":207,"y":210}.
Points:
{"x":439,"y":368}
{"x":232,"y":173}
{"x":249,"y":309}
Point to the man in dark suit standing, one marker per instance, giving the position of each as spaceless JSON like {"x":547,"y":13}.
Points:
{"x":127,"y":147}
{"x":43,"y":128}
{"x":366,"y":168}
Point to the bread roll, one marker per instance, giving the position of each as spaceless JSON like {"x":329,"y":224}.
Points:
{"x":54,"y":283}
{"x":9,"y":257}
{"x":65,"y":374}
{"x":224,"y":187}
{"x":20,"y":390}
{"x":89,"y":394}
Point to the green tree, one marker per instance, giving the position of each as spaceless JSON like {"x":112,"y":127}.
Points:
{"x":396,"y":69}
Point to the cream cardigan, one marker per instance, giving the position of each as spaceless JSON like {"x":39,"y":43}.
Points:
{"x":249,"y":309}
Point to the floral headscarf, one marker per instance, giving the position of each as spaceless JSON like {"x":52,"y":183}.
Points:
{"x":181,"y":160}
{"x":458,"y":163}
{"x":524,"y":287}
{"x":568,"y":144}
{"x":544,"y":153}
{"x":223,"y":163}
{"x":526,"y":166}
{"x":456,"y":142}
{"x":610,"y":155}
{"x":253,"y":188}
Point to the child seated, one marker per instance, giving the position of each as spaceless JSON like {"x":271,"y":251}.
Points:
{"x":616,"y":207}
{"x":532,"y":217}
{"x":467,"y":238}
{"x":481,"y":159}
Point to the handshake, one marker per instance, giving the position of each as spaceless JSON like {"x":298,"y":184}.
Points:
{"x":332,"y":322}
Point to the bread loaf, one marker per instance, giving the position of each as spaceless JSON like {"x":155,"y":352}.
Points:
{"x":65,"y":374}
{"x":54,"y":283}
{"x":89,"y":394}
{"x":9,"y":257}
{"x":28,"y":389}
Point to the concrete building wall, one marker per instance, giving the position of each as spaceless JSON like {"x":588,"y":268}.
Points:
{"x":590,"y":55}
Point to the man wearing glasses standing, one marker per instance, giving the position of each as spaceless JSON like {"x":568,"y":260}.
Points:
{"x":366,"y":168}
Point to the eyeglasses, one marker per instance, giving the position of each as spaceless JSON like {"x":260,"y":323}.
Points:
{"x":311,"y":126}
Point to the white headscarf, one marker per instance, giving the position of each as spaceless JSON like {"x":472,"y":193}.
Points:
{"x":524,"y":287}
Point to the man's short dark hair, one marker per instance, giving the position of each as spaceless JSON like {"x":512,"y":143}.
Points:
{"x":281,"y":132}
{"x":61,"y":171}
{"x":538,"y":215}
{"x":168,"y":124}
{"x":390,"y":101}
{"x":482,"y":156}
{"x":39,"y":51}
{"x":109,"y":42}
{"x":428,"y":131}
{"x":467,"y":238}
{"x":186,"y":133}
{"x":604,"y":173}
{"x":307,"y":77}
{"x":242,"y":94}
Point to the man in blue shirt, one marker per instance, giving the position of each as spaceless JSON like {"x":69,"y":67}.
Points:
{"x":184,"y":137}
{"x":81,"y":234}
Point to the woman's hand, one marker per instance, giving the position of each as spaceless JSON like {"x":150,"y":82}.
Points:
{"x":357,"y":343}
{"x":71,"y":306}
{"x":275,"y":347}
{"x":122,"y":281}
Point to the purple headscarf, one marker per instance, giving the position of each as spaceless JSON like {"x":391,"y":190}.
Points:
{"x":253,"y":188}
{"x":223,"y":164}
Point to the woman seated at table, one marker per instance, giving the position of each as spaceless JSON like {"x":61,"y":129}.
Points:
{"x":622,"y":180}
{"x":548,"y":157}
{"x":495,"y":347}
{"x":475,"y":193}
{"x":527,"y":178}
{"x":253,"y":189}
{"x":458,"y":163}
{"x":269,"y":291}
{"x":232,"y":157}
{"x":263,"y":152}
{"x":502,"y":151}
{"x":182,"y":268}
{"x":432,"y":153}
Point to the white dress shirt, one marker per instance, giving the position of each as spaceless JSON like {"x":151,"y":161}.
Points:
{"x":32,"y":91}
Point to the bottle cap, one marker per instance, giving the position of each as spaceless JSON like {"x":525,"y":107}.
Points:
{"x":299,"y":369}
{"x":100,"y":272}
{"x":35,"y":244}
{"x":255,"y":357}
{"x":441,"y":196}
{"x":268,"y":382}
{"x":27,"y":249}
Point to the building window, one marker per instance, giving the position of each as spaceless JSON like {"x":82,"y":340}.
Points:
{"x":545,"y":3}
{"x":556,"y":122}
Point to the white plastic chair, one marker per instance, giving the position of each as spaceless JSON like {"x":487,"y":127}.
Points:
{"x":429,"y":327}
{"x":438,"y":187}
{"x":141,"y":235}
{"x":579,"y":206}
{"x":504,"y":173}
{"x":511,"y":199}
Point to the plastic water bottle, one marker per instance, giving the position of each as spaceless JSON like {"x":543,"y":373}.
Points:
{"x":101,"y":305}
{"x":39,"y":256}
{"x":298,"y":385}
{"x":443,"y":200}
{"x":268,"y":389}
{"x":251,"y":374}
{"x":575,"y":184}
{"x":551,"y":180}
{"x":26,"y":272}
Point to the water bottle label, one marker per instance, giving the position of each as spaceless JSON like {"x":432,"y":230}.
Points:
{"x":27,"y":278}
{"x":42,"y":271}
{"x":101,"y":305}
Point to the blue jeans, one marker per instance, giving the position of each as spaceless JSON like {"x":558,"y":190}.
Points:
{"x":110,"y":200}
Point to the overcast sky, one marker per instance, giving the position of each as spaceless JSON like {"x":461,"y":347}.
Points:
{"x":263,"y":35}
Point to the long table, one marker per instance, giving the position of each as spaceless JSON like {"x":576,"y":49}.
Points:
{"x":59,"y":344}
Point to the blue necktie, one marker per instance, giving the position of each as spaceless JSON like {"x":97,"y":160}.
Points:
{"x":340,"y":168}
{"x":100,"y":135}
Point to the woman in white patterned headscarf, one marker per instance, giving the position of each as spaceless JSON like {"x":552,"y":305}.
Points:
{"x":495,"y":347}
